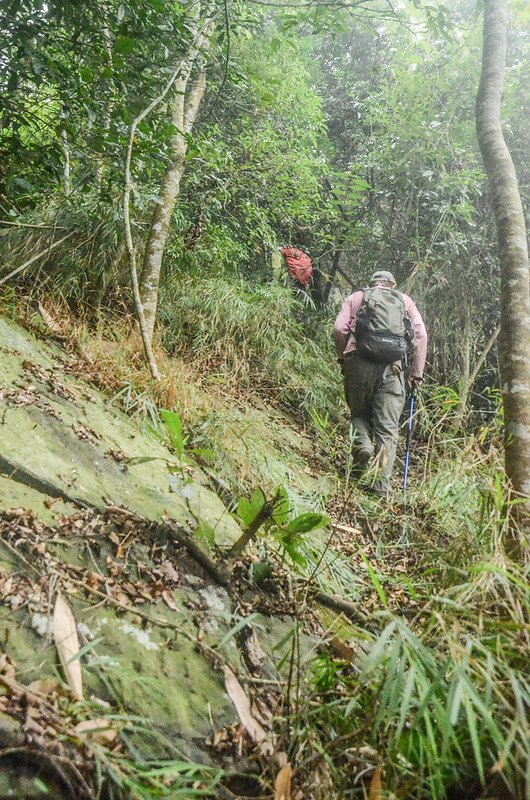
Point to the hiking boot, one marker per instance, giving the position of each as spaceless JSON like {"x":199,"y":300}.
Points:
{"x":379,"y":488}
{"x":374,"y":492}
{"x":362,"y":457}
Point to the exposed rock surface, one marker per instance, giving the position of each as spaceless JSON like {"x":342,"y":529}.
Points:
{"x":63,"y":461}
{"x":59,"y":429}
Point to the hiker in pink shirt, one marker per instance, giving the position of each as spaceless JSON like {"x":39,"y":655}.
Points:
{"x":375,"y":332}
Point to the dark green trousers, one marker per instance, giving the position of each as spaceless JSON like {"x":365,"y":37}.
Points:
{"x":375,"y":394}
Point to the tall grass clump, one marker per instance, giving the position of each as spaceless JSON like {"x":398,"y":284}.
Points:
{"x":429,"y":698}
{"x":253,"y":335}
{"x":441,"y":707}
{"x":80,"y":269}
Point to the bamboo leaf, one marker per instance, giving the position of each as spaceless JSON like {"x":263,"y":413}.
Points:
{"x":375,"y":580}
{"x":282,"y":784}
{"x":67,"y":643}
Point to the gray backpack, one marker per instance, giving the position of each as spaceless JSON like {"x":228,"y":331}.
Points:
{"x":383,"y":331}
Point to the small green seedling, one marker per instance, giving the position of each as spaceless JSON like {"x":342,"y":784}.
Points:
{"x":275,"y":517}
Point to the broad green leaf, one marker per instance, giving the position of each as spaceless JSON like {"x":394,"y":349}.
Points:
{"x":248,"y":510}
{"x":309,"y":521}
{"x":124,"y":44}
{"x":282,"y":506}
{"x":296,"y":555}
{"x":173,"y":425}
{"x":204,"y":452}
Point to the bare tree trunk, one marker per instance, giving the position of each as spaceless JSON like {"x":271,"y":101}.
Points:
{"x":179,"y":71}
{"x":514,"y":351}
{"x":66,"y":167}
{"x":184,"y":110}
{"x":132,"y":260}
{"x":131,"y":251}
{"x":466,"y":348}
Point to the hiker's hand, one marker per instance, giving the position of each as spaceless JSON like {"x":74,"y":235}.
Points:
{"x":414,"y":382}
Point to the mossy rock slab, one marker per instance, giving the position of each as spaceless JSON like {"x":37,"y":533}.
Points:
{"x":154,"y":675}
{"x":63,"y":431}
{"x":16,"y":495}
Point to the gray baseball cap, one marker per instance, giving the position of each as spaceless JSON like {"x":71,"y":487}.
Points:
{"x":382,"y":275}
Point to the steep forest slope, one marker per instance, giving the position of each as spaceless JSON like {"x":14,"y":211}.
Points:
{"x":198,"y":598}
{"x":333,"y":634}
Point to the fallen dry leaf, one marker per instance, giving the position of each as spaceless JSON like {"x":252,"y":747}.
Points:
{"x":376,"y":786}
{"x":342,"y":648}
{"x":6,"y":666}
{"x":242,"y":705}
{"x":98,"y":729}
{"x":254,"y":653}
{"x":49,"y":320}
{"x":34,"y":730}
{"x":282,"y":784}
{"x":67,"y":643}
{"x":168,"y":600}
{"x":44,"y":686}
{"x":169,"y":571}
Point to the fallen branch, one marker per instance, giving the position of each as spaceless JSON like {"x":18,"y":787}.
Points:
{"x":346,"y":528}
{"x":218,"y":573}
{"x":344,"y":606}
{"x":29,"y":225}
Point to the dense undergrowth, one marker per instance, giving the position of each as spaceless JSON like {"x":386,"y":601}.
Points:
{"x":428,"y":694}
{"x":434,"y":691}
{"x":256,"y":334}
{"x":350,"y":132}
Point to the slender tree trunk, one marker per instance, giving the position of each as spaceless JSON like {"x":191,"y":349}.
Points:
{"x":327,"y":279}
{"x":66,"y":167}
{"x":131,"y":250}
{"x":514,"y":350}
{"x":184,"y":110}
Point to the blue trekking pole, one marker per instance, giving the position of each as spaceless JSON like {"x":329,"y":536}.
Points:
{"x":409,"y":439}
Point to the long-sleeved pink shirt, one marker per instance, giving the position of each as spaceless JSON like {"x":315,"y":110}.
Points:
{"x":347,"y":319}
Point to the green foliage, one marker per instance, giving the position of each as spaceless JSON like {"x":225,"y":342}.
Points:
{"x":255,"y":334}
{"x":279,"y":521}
{"x":173,"y":424}
{"x":437,"y":713}
{"x":83,"y":268}
{"x":439,"y":702}
{"x":356,"y":142}
{"x":248,"y":510}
